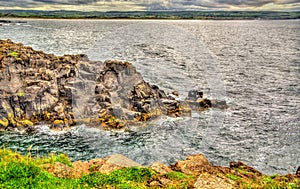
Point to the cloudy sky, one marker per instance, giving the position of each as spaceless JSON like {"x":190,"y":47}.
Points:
{"x":131,"y":5}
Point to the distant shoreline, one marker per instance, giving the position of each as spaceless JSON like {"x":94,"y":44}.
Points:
{"x":139,"y":19}
{"x":153,"y":15}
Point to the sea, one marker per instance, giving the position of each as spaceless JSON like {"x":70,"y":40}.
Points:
{"x":254,"y":65}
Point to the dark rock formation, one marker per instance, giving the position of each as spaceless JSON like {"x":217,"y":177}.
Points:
{"x":5,"y":21}
{"x":65,"y":90}
{"x":9,"y":21}
{"x":34,"y":86}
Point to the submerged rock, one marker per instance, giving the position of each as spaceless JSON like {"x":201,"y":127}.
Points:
{"x":62,"y":91}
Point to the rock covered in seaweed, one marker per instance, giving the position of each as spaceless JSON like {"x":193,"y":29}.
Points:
{"x":36,"y":87}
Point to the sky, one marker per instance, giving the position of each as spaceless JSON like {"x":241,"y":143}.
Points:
{"x":143,"y":5}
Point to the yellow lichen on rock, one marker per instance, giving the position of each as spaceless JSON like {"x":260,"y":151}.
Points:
{"x":25,"y":123}
{"x":47,"y":115}
{"x":11,"y":119}
{"x":4,"y":122}
{"x":57,"y":122}
{"x":146,"y":116}
{"x":112,"y":121}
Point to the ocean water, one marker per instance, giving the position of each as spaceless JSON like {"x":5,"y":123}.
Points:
{"x":253,"y":65}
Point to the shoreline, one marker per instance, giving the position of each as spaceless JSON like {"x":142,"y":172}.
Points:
{"x":146,"y":19}
{"x":193,"y":172}
{"x":153,"y":15}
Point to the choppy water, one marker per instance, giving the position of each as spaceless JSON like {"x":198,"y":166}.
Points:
{"x":254,"y":65}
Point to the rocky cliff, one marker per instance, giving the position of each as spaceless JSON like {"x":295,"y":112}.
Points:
{"x":62,"y":91}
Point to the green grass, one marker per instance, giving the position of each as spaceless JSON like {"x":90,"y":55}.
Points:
{"x":180,"y":180}
{"x":124,"y":178}
{"x":52,"y":158}
{"x":28,"y":175}
{"x":18,"y":171}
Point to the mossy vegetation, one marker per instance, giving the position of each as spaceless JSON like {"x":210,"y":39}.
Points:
{"x":178,"y":176}
{"x":13,"y":54}
{"x":180,"y":180}
{"x":233,"y":177}
{"x":124,"y":178}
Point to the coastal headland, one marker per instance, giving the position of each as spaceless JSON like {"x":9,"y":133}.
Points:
{"x":63,"y":91}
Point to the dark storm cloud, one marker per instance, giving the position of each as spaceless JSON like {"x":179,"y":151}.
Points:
{"x":154,"y":4}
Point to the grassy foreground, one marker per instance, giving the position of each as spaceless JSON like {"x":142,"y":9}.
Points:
{"x":17,"y":171}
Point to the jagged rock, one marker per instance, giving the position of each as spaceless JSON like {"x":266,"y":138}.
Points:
{"x":243,"y":166}
{"x":298,"y":172}
{"x":32,"y":86}
{"x":160,"y":168}
{"x":80,"y":168}
{"x":175,"y":93}
{"x":121,"y":160}
{"x":114,"y":162}
{"x":164,"y":181}
{"x":210,"y":181}
{"x":193,"y":164}
{"x":60,"y":170}
{"x":155,"y":184}
{"x":219,"y":104}
{"x":95,"y":164}
{"x":194,"y":95}
{"x":66,"y":90}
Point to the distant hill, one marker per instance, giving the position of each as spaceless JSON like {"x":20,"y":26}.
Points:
{"x":212,"y":15}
